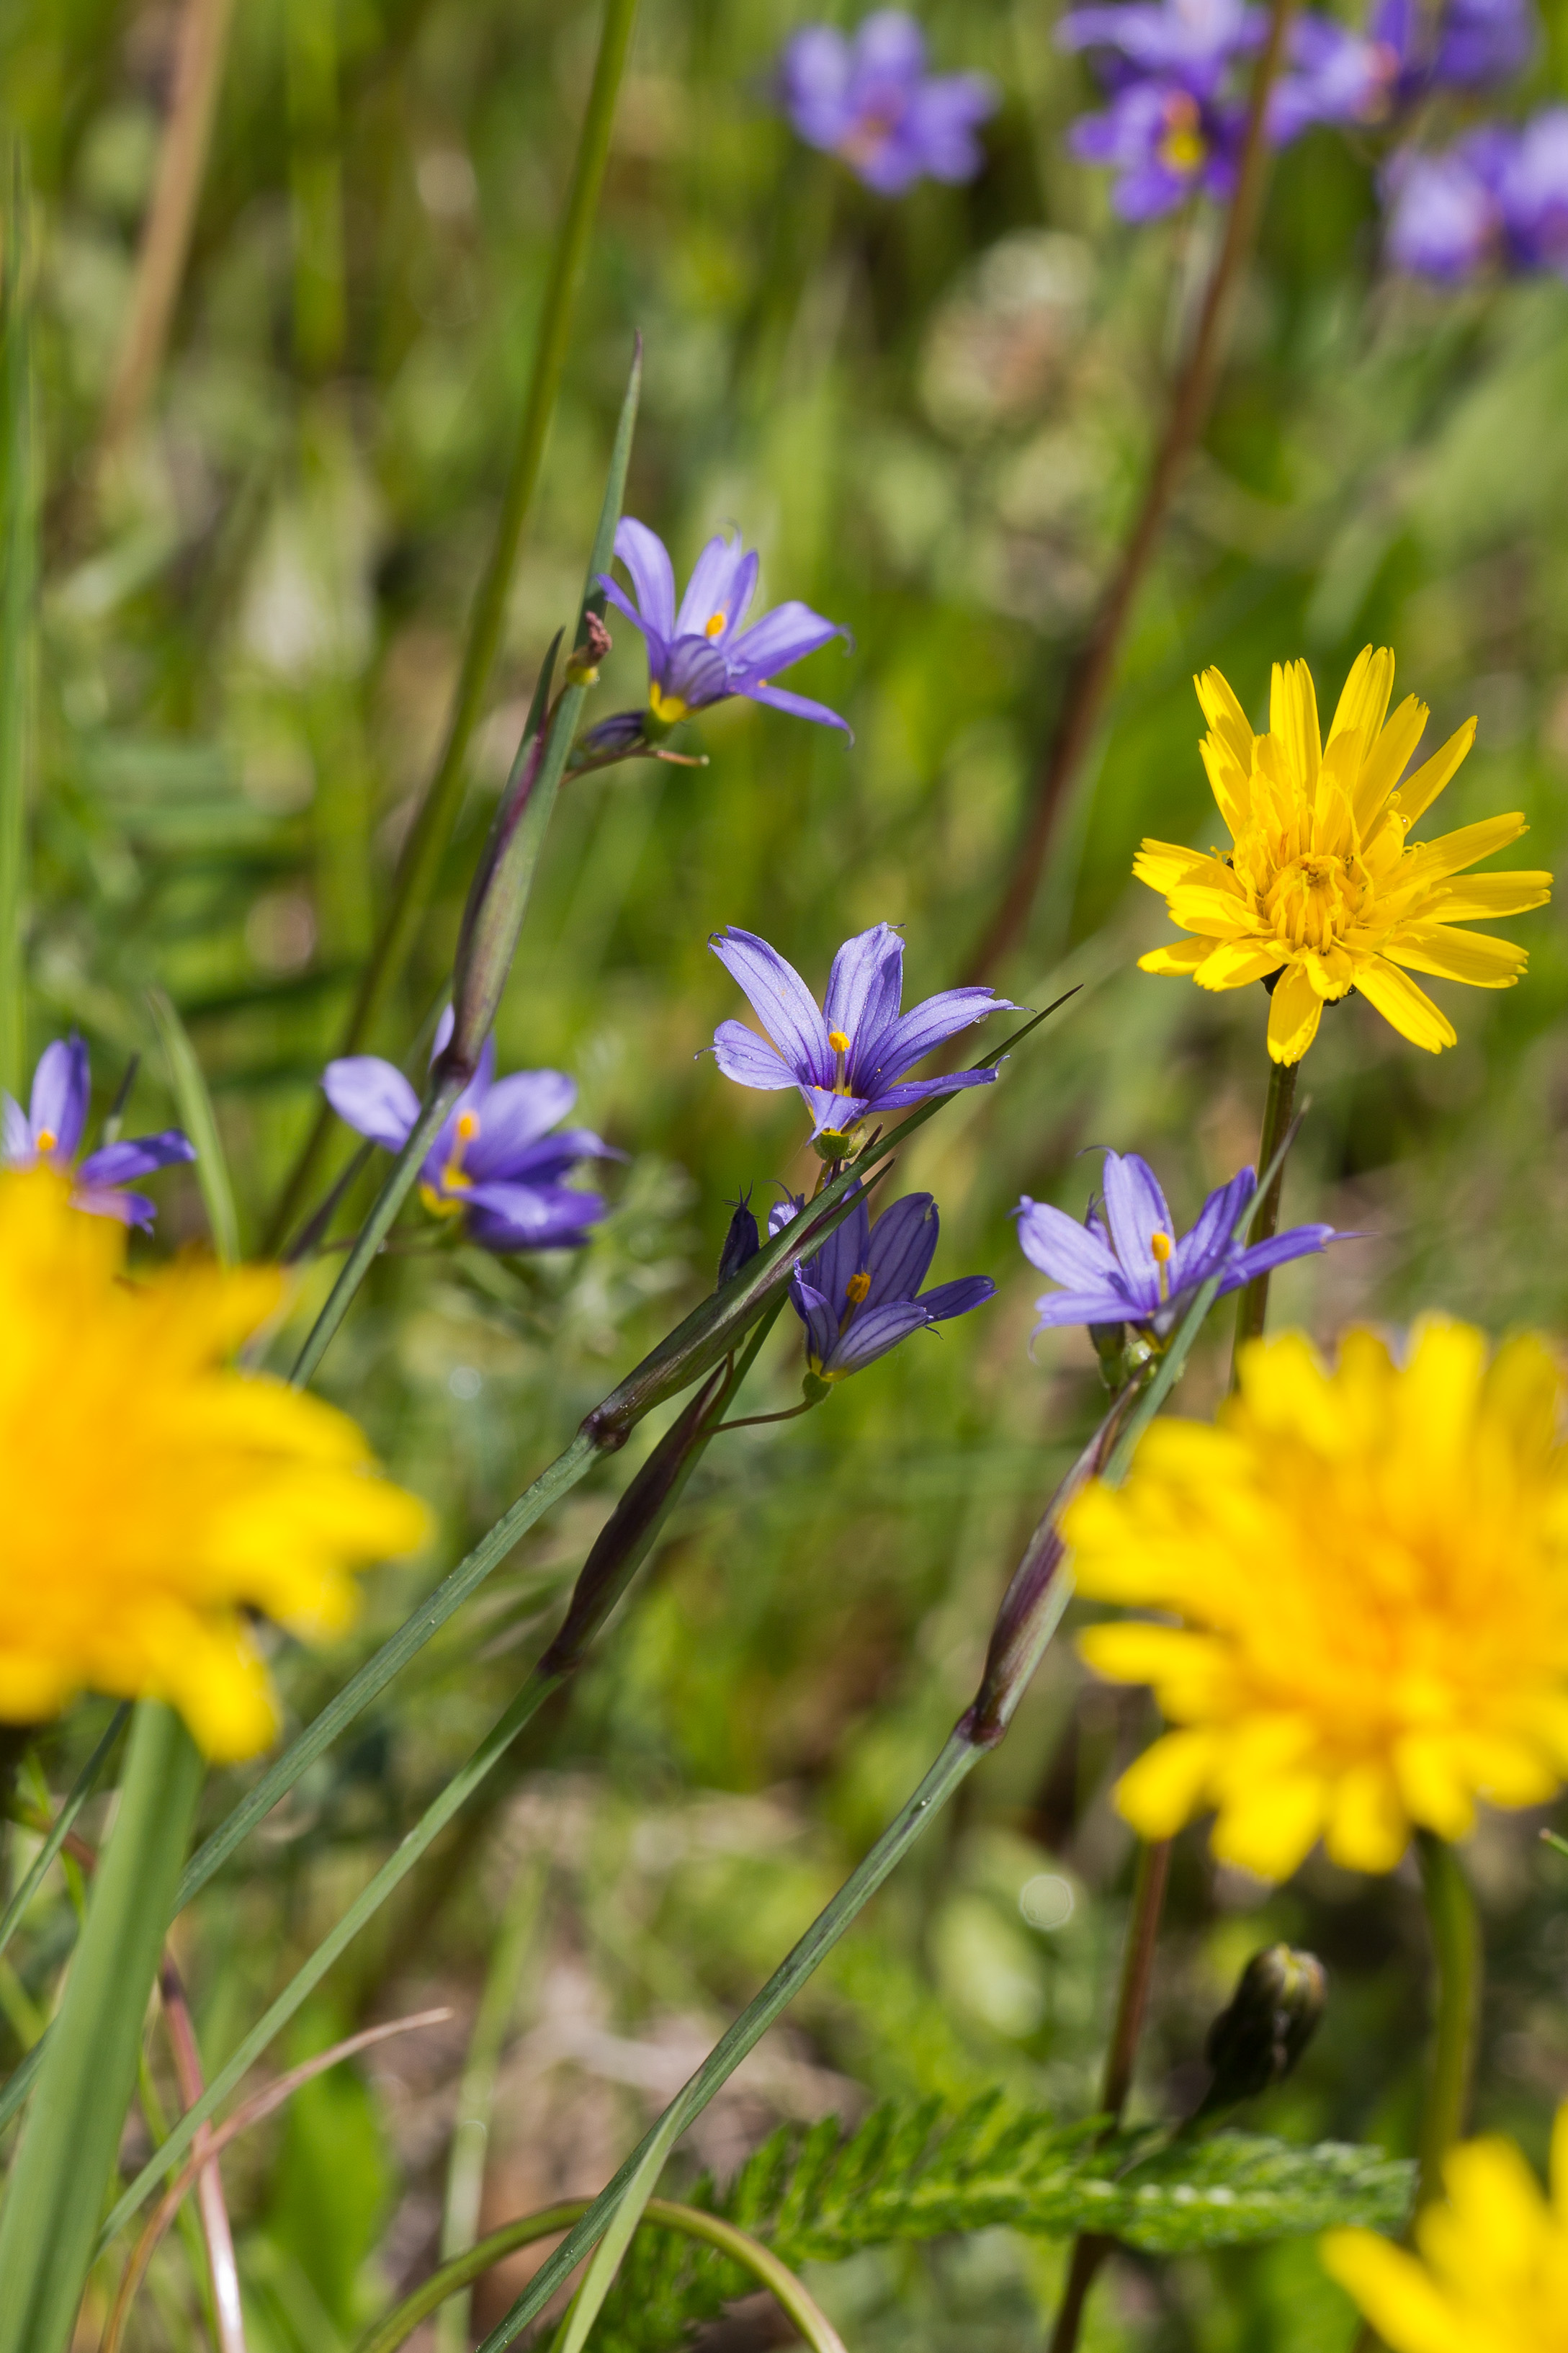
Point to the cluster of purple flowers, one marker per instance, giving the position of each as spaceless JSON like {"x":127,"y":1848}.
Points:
{"x":1175,"y":72}
{"x":869,"y":100}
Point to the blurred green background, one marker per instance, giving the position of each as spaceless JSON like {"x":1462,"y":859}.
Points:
{"x":931,"y":418}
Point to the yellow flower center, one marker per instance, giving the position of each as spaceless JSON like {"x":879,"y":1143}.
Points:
{"x":48,"y":1139}
{"x":856,"y":1287}
{"x":1160,"y":1249}
{"x":1184,"y":147}
{"x":715,"y":626}
{"x":435,"y":1198}
{"x":666,"y":708}
{"x":1312,"y":901}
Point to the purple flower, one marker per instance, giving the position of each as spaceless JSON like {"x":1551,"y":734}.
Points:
{"x":702,"y":654}
{"x":1445,"y":217}
{"x":1165,"y":144}
{"x":1187,"y":45}
{"x":1332,"y":75}
{"x":871,"y":101}
{"x":1125,"y":1263}
{"x":856,"y":1297}
{"x":1481,"y":42}
{"x":494,"y":1162}
{"x":50,"y":1130}
{"x":849,"y":1059}
{"x":1533,"y":191}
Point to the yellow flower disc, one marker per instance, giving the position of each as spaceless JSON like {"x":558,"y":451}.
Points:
{"x":151,"y":1494}
{"x":1492,"y":2273}
{"x":1368,"y":1570}
{"x":1320,"y":885}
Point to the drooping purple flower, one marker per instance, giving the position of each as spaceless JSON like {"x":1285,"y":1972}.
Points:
{"x":870,"y":101}
{"x":494,"y":1163}
{"x":1445,"y":215}
{"x":50,"y":1131}
{"x":703,"y":654}
{"x":860,"y":1293}
{"x":1126,"y":1263}
{"x":849,"y":1057}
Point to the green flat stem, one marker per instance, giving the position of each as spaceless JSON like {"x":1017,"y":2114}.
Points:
{"x":1456,"y":1953}
{"x":1252,"y":1310}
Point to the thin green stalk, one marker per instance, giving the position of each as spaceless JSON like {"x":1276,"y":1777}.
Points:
{"x":396,"y":2328}
{"x":443,"y":1094}
{"x":619,"y":2233}
{"x":1252,"y":1309}
{"x":957,"y":1761}
{"x":80,"y":1792}
{"x":195,"y":1110}
{"x":62,"y":2168}
{"x":426,"y":843}
{"x":19,"y":522}
{"x":1456,"y":1953}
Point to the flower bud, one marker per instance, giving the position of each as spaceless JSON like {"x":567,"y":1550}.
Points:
{"x":1272,"y":2017}
{"x":583,"y":662}
{"x":741,"y":1243}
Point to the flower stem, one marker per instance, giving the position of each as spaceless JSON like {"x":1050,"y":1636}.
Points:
{"x":1457,"y":1951}
{"x":1089,"y":680}
{"x":426,"y":843}
{"x":1253,"y":1310}
{"x":19,"y":550}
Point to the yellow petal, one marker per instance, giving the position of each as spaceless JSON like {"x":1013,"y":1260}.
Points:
{"x":1229,"y":781}
{"x":1181,"y":957}
{"x":1226,"y":716}
{"x":1236,"y":962}
{"x":1403,"y":1006}
{"x":1474,"y":957}
{"x":1388,"y":759}
{"x":1293,"y":719}
{"x":1560,"y":2164}
{"x":1271,"y":1827}
{"x":1368,"y":1829}
{"x":1490,"y":895}
{"x":1294,"y":1012}
{"x":1166,"y":1787}
{"x":1426,"y":862}
{"x":1217,"y":910}
{"x":1363,"y":701}
{"x":1396,"y":2293}
{"x":1431,"y":1781}
{"x":1164,"y":864}
{"x":1417,"y":796}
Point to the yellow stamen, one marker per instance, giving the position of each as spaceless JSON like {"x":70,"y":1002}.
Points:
{"x":48,"y":1139}
{"x":666,"y":708}
{"x":838,"y":1041}
{"x":856,"y":1287}
{"x":1160,"y":1246}
{"x":452,"y":1177}
{"x":840,"y":1045}
{"x":715,"y":628}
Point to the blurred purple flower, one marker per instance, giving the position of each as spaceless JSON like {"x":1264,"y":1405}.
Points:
{"x":494,"y":1162}
{"x":1497,"y":197}
{"x":870,"y":101}
{"x":1479,"y":42}
{"x":1165,"y":144}
{"x":702,"y":654}
{"x":857,"y":1295}
{"x":51,"y":1128}
{"x":1182,"y":43}
{"x":848,"y":1058}
{"x":1332,"y":75}
{"x":1125,"y":1263}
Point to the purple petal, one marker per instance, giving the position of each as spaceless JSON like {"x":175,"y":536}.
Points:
{"x":925,"y":1027}
{"x":842,"y":1256}
{"x":918,"y":1090}
{"x":16,"y":1130}
{"x":783,"y":636}
{"x":647,"y":558}
{"x":531,"y":1216}
{"x":1198,"y":1252}
{"x":105,"y":1201}
{"x":871,"y":1334}
{"x":940,"y":127}
{"x":1300,"y":1242}
{"x":797,"y":706}
{"x":138,"y":1156}
{"x":720,"y":587}
{"x":1135,"y":1211}
{"x":1061,"y":1247}
{"x":515,"y":1113}
{"x":1058,"y":1309}
{"x":658,"y":644}
{"x":833,"y":1113}
{"x":621,"y":734}
{"x":62,"y":1089}
{"x":373,"y":1097}
{"x":696,"y":673}
{"x":946,"y":1299}
{"x":818,"y":1315}
{"x":785,"y":1212}
{"x":781,"y":1001}
{"x":864,"y":990}
{"x":904,"y":1243}
{"x":749,"y":1060}
{"x":890,"y":53}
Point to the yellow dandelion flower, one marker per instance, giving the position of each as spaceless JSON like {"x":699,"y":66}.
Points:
{"x":151,"y":1494}
{"x":1492,"y":2273}
{"x":1368,"y":1570}
{"x":1320,"y":885}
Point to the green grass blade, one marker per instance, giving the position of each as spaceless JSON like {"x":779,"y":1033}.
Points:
{"x":62,"y":2168}
{"x":195,"y":1109}
{"x":18,"y":524}
{"x":601,"y":2273}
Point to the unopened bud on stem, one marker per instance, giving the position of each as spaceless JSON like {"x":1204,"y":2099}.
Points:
{"x":1272,"y":2016}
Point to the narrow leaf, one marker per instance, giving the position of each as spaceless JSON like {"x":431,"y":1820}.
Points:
{"x":195,"y":1110}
